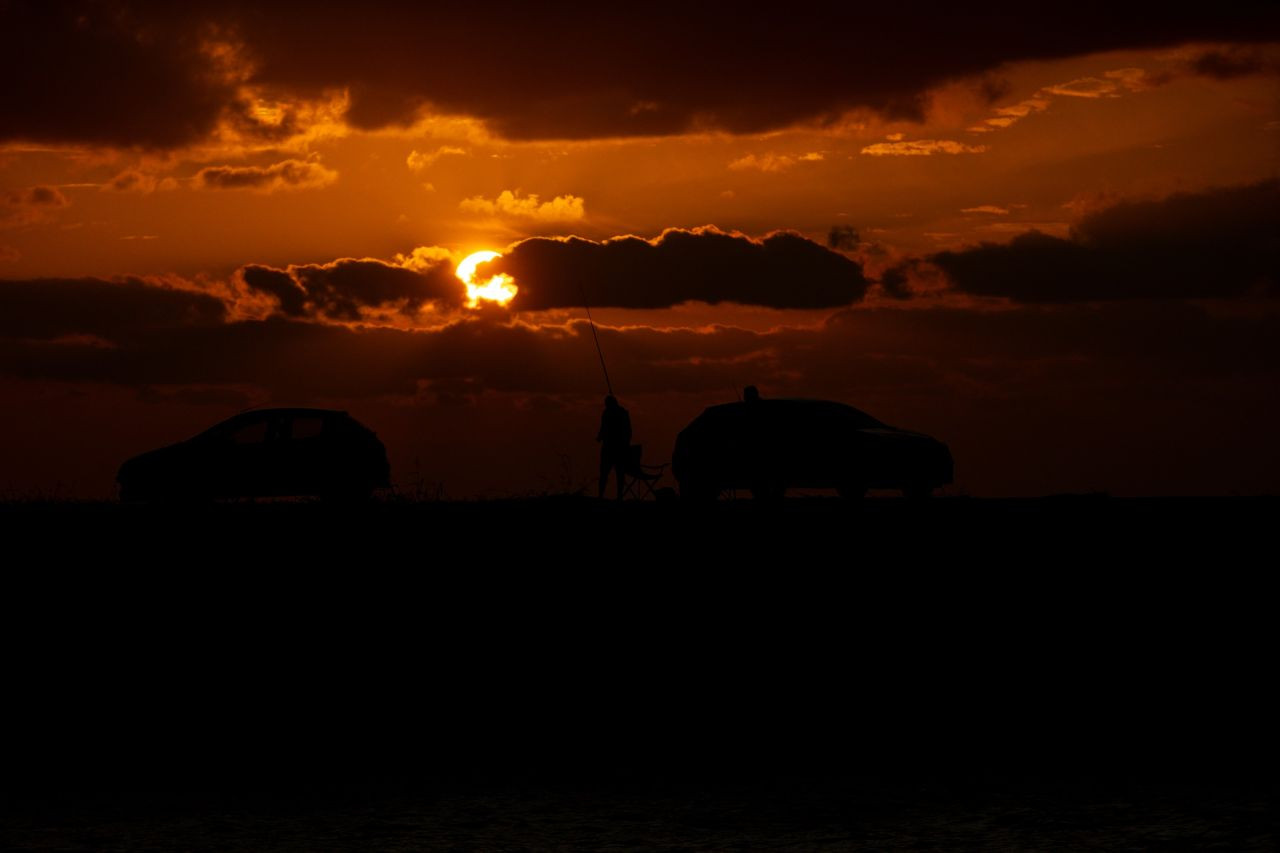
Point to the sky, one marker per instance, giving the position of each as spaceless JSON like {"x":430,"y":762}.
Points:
{"x":1049,"y":238}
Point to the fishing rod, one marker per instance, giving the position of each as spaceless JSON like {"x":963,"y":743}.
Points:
{"x":596,"y":338}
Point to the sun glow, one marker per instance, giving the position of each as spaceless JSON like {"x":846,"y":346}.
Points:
{"x":500,"y":288}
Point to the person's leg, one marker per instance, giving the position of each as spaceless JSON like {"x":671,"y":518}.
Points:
{"x":605,"y":464}
{"x":618,"y":466}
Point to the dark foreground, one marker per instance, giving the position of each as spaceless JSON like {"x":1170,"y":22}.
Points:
{"x":1061,"y":673}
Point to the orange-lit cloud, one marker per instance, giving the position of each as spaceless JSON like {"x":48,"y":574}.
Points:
{"x":419,"y":161}
{"x":1112,"y":84}
{"x":921,"y":148}
{"x":562,"y":208}
{"x":774,"y":162}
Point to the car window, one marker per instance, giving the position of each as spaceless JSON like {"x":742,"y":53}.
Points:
{"x":309,"y":426}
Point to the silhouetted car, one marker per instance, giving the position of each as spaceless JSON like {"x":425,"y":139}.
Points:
{"x":770,"y":445}
{"x":265,"y":452}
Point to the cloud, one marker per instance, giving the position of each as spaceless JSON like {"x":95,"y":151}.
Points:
{"x":30,"y":205}
{"x":994,"y":210}
{"x":38,"y":197}
{"x":342,"y":289}
{"x":419,"y":161}
{"x":49,"y":308}
{"x":1112,"y":84}
{"x":895,"y":282}
{"x":842,"y":237}
{"x":137,"y":181}
{"x":139,"y":74}
{"x":1085,"y":87}
{"x":1215,"y":243}
{"x":286,"y":175}
{"x":117,"y":75}
{"x":781,"y":270}
{"x":562,"y":208}
{"x":774,"y":162}
{"x":921,"y":147}
{"x":1228,"y":63}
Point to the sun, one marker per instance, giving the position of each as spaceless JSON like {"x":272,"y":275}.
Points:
{"x":500,"y":288}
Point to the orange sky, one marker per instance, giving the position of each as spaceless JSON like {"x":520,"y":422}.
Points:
{"x":171,"y":246}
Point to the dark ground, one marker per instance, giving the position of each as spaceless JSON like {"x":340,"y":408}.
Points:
{"x":1058,"y":673}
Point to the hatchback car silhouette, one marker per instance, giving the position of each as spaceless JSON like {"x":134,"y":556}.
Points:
{"x":265,"y":452}
{"x":771,"y":445}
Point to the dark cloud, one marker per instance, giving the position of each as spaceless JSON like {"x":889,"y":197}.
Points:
{"x":595,"y":71}
{"x":48,"y":308}
{"x":843,"y":237}
{"x":106,"y":73}
{"x":130,"y":180}
{"x":39,"y":197}
{"x":304,"y":360}
{"x":287,"y":175}
{"x":782,"y":270}
{"x":1217,"y":243}
{"x":1227,"y":64}
{"x":137,"y":181}
{"x":895,"y":281}
{"x":277,"y":283}
{"x":137,"y":72}
{"x":340,"y":289}
{"x":30,"y":205}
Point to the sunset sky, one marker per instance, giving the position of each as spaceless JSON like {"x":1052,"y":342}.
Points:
{"x":1048,"y":237}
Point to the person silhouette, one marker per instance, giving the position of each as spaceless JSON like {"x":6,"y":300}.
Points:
{"x":615,"y":442}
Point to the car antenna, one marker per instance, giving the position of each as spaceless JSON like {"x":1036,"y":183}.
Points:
{"x":596,"y":338}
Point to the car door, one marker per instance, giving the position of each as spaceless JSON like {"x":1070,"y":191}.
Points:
{"x":242,"y":459}
{"x":304,"y":454}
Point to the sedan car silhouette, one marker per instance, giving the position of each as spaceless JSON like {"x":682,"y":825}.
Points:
{"x":265,"y":452}
{"x":771,"y":445}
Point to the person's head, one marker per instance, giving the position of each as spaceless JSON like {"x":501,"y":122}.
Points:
{"x":611,"y":402}
{"x":750,"y":394}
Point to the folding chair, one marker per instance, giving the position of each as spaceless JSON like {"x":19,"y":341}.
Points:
{"x":642,"y":479}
